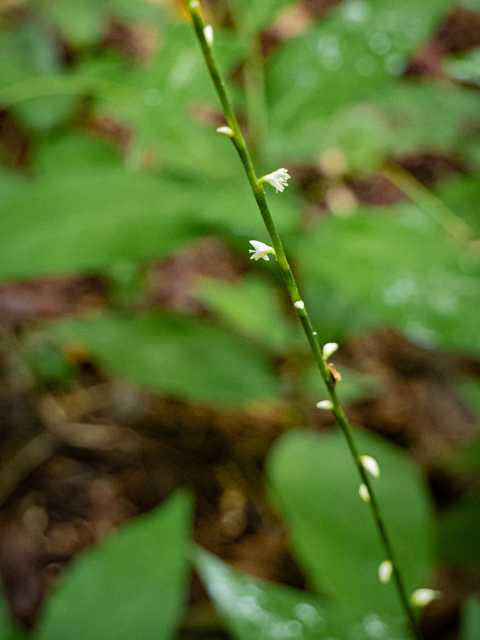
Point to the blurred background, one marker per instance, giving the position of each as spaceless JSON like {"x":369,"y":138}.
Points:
{"x":140,"y":348}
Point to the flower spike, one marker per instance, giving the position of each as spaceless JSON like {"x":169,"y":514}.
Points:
{"x":260,"y":250}
{"x":277,"y":179}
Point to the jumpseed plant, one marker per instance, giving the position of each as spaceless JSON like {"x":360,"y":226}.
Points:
{"x":365,"y":465}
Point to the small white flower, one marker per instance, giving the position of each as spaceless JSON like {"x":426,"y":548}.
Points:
{"x":422,"y":597}
{"x":260,"y":250}
{"x":325,"y":404}
{"x":385,"y":571}
{"x":364,"y":493}
{"x":371,"y":465}
{"x":299,"y":304}
{"x":226,"y":130}
{"x":277,"y":179}
{"x":328,"y":349}
{"x":208,"y":33}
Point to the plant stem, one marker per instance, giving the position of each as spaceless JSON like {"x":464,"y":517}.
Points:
{"x":255,"y":96}
{"x":259,"y":194}
{"x":438,"y":211}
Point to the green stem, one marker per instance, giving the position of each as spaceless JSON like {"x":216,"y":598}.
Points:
{"x":426,"y":200}
{"x":255,"y":96}
{"x":259,"y":194}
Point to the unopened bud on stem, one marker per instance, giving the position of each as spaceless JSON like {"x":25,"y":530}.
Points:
{"x":371,"y":465}
{"x":329,"y":349}
{"x":327,"y":405}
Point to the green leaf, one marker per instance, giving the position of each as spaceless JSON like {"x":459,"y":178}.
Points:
{"x":76,"y":152}
{"x":252,"y":307}
{"x":402,"y":270}
{"x":462,"y":195}
{"x":254,"y":609}
{"x":46,"y":112}
{"x":470,"y":629}
{"x":131,"y":586}
{"x":253,"y":16}
{"x":315,"y":483}
{"x":347,"y":56}
{"x":87,"y":220}
{"x":466,"y":67}
{"x":169,"y":91}
{"x":81,"y":23}
{"x":182,"y":356}
{"x":459,"y":532}
{"x":424,"y":115}
{"x":467,"y":458}
{"x":360,"y":132}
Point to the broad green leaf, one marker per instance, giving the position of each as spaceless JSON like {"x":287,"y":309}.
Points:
{"x":172,"y":92}
{"x":347,"y":56}
{"x":253,"y":609}
{"x":402,"y":269}
{"x":46,"y":112}
{"x":425,"y":115}
{"x":467,"y":458}
{"x":462,"y":195}
{"x":253,"y":16}
{"x":177,"y":355}
{"x":410,"y":117}
{"x":315,"y":484}
{"x":459,"y":532}
{"x":81,"y":23}
{"x":465,"y":67}
{"x":87,"y":220}
{"x":76,"y":152}
{"x":32,"y":88}
{"x":359,"y":132}
{"x":253,"y":308}
{"x":470,"y":629}
{"x":131,"y":586}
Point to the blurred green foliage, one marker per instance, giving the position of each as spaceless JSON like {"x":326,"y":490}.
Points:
{"x":86,"y":201}
{"x":252,"y":608}
{"x":310,"y":475}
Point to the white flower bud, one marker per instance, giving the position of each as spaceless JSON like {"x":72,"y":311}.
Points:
{"x":299,"y":304}
{"x":364,"y":493}
{"x":371,"y":465}
{"x":208,"y":33}
{"x":226,"y":130}
{"x":422,"y":597}
{"x":385,"y":571}
{"x":325,"y":404}
{"x":328,"y":349}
